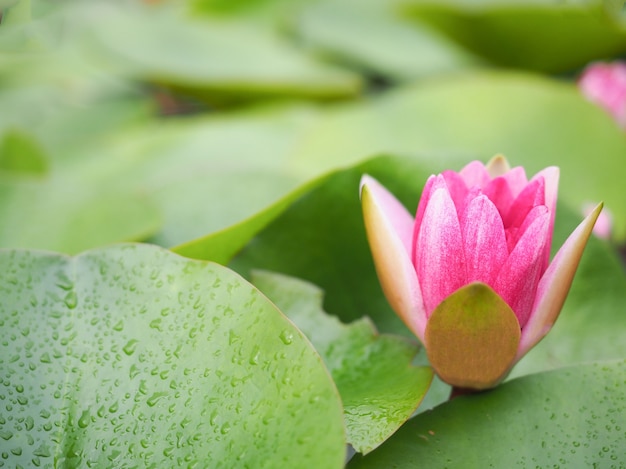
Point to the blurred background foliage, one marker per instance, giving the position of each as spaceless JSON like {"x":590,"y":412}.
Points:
{"x":170,"y":120}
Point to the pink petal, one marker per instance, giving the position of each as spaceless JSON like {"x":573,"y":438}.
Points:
{"x":520,"y":273}
{"x":550,"y":176}
{"x":475,"y":174}
{"x":457,"y":188}
{"x":514,"y":234}
{"x":421,"y":207}
{"x":555,"y":284}
{"x":439,"y":256}
{"x":500,"y":194}
{"x":432,"y":184}
{"x":395,"y":213}
{"x":532,"y":195}
{"x":516,"y":179}
{"x":484,"y":241}
{"x":389,"y":231}
{"x":605,"y":84}
{"x":603,"y":228}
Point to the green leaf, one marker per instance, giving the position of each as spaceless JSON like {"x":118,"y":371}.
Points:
{"x":208,"y":174}
{"x":535,"y":34}
{"x":378,"y":386}
{"x":394,"y":48}
{"x":222,"y":245}
{"x":133,"y":356}
{"x":258,"y":62}
{"x":571,"y":417}
{"x":64,"y":212}
{"x":20,"y":154}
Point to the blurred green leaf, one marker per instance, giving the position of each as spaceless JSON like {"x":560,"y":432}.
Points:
{"x":541,"y":35}
{"x":570,"y":417}
{"x":7,"y":3}
{"x":20,"y":154}
{"x":161,"y":179}
{"x":379,"y":388}
{"x":207,"y":174}
{"x":131,"y":355}
{"x":532,"y":120}
{"x":377,"y":40}
{"x":221,"y":246}
{"x":218,"y":60}
{"x":68,"y":212}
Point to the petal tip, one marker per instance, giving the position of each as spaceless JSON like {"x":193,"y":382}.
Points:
{"x":365,"y":180}
{"x":498,"y":166}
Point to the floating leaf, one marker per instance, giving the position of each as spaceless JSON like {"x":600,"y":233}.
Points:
{"x":133,"y":356}
{"x":378,"y":386}
{"x":395,"y":48}
{"x":572,"y":417}
{"x":565,"y":35}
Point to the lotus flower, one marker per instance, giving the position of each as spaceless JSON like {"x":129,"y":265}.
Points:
{"x":470,"y":275}
{"x":605,"y":85}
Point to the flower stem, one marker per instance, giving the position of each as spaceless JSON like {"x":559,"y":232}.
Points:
{"x":456,"y":392}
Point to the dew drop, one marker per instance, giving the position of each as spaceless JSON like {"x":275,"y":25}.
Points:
{"x":156,"y":397}
{"x":286,"y":337}
{"x":225,"y":428}
{"x":232,"y":337}
{"x":83,"y":421}
{"x":71,"y":299}
{"x":130,"y":347}
{"x":156,"y":324}
{"x":254,"y":355}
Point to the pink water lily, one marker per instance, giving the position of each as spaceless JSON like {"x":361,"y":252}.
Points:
{"x":481,"y":236}
{"x":605,"y":85}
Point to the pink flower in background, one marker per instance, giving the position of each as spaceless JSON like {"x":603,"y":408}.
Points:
{"x":605,"y":84}
{"x":470,"y":274}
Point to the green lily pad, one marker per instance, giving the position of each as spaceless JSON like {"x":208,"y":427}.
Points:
{"x":395,"y":48}
{"x":223,"y":60}
{"x":565,"y":35}
{"x":223,"y":245}
{"x":64,"y":212}
{"x":379,"y":388}
{"x":572,"y":417}
{"x":133,"y":356}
